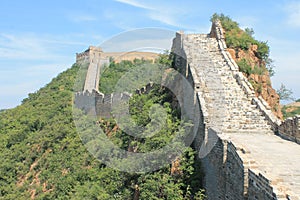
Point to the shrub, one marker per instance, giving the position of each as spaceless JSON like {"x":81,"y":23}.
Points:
{"x":270,"y":67}
{"x":259,"y":88}
{"x":285,"y":93}
{"x":244,"y":66}
{"x":241,"y":39}
{"x":258,"y":70}
{"x":263,"y":50}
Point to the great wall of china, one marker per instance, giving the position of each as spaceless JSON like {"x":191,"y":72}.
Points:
{"x":255,"y":155}
{"x":97,"y":60}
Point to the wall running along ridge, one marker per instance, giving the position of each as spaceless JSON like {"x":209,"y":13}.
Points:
{"x":241,"y":156}
{"x":288,"y":129}
{"x":236,"y":138}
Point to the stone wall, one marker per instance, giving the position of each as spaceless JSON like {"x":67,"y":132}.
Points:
{"x":180,"y":63}
{"x":262,"y":105}
{"x":90,"y":100}
{"x":224,"y":172}
{"x":290,"y":129}
{"x":93,"y":57}
{"x":228,"y":177}
{"x":89,"y":55}
{"x":98,"y":104}
{"x":223,"y":168}
{"x":226,"y":168}
{"x":259,"y":187}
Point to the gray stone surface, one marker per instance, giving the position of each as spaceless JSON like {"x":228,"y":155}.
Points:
{"x":290,"y":129}
{"x":248,"y":153}
{"x":274,"y":158}
{"x":246,"y":160}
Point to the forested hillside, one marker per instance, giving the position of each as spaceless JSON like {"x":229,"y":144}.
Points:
{"x":42,"y":156}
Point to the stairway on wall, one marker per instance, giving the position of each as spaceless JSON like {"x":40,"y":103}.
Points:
{"x":232,"y":114}
{"x":229,"y":108}
{"x":92,"y":76}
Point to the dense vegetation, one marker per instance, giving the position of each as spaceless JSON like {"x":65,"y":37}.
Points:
{"x":42,"y":156}
{"x":243,"y":41}
{"x":113,"y":73}
{"x":2,"y":110}
{"x":239,"y":39}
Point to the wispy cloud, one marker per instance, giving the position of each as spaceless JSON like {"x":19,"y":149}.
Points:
{"x":163,"y":17}
{"x":31,"y":47}
{"x":135,"y":4}
{"x":12,"y":46}
{"x":172,"y":14}
{"x":293,"y":11}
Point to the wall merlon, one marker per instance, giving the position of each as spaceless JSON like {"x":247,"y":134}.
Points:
{"x":290,"y":129}
{"x":235,"y":167}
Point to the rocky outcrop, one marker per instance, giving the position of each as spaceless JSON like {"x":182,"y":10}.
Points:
{"x":261,"y":81}
{"x":236,"y":141}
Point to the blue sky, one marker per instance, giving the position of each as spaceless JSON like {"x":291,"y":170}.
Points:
{"x":39,"y":39}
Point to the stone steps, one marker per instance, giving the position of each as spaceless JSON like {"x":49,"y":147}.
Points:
{"x":227,"y":104}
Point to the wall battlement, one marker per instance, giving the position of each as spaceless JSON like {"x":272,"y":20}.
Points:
{"x":290,"y":129}
{"x":242,"y":157}
{"x":99,"y":104}
{"x":241,"y":164}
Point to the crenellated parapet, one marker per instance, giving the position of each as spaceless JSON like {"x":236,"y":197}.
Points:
{"x":241,"y":155}
{"x":90,"y":55}
{"x":99,"y":104}
{"x":290,"y":129}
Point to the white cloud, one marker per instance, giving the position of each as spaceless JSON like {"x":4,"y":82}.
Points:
{"x":168,"y":13}
{"x":293,"y":11}
{"x":32,"y":47}
{"x":135,"y":4}
{"x":166,"y":18}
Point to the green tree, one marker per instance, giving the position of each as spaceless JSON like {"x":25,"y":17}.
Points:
{"x":249,"y":31}
{"x":42,"y":155}
{"x":285,"y":93}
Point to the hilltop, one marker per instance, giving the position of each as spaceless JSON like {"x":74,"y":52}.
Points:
{"x":42,"y":155}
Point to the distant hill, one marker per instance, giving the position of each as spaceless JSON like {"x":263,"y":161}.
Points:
{"x":42,"y":155}
{"x":291,"y":109}
{"x":131,"y":56}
